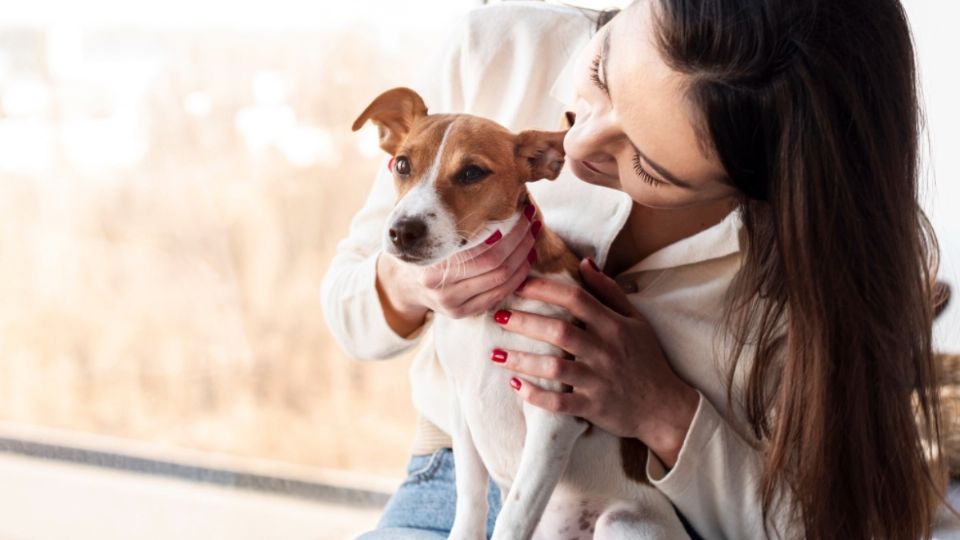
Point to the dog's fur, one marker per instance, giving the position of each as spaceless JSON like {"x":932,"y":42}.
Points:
{"x":562,"y":478}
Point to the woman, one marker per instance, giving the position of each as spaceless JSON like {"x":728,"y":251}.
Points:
{"x":771,"y":316}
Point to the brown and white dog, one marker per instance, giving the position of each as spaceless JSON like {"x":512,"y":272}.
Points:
{"x":459,"y":178}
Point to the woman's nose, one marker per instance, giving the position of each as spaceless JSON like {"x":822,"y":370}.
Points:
{"x":594,"y":132}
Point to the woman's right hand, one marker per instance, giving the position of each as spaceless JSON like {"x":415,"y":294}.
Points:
{"x":462,"y":285}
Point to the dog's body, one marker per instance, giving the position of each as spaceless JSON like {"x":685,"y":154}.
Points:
{"x":560,"y":478}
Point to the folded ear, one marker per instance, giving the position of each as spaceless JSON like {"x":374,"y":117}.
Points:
{"x":393,"y":111}
{"x":540,"y":154}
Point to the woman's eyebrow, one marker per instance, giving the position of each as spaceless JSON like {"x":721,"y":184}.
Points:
{"x":663,"y":172}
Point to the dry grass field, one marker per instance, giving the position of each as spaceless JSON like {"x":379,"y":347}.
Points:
{"x":167,"y":211}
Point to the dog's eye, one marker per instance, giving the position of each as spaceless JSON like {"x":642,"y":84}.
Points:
{"x":472,"y":174}
{"x":402,"y":166}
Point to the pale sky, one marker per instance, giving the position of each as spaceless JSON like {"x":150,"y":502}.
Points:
{"x":255,"y":13}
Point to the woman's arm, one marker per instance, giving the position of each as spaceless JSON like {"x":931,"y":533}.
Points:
{"x":360,"y":321}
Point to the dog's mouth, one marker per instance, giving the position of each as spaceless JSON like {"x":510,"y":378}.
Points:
{"x":406,"y":257}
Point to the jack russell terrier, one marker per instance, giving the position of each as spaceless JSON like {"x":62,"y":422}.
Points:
{"x":459,"y":178}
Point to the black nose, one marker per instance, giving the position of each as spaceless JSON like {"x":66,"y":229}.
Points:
{"x":406,"y":234}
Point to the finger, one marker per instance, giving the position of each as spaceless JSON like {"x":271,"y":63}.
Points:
{"x":575,"y":299}
{"x":570,"y":403}
{"x":558,"y":332}
{"x":503,"y":273}
{"x":517,"y":230}
{"x":542,"y":366}
{"x":510,"y":239}
{"x":487,"y":300}
{"x":495,"y":256}
{"x":606,"y":289}
{"x":476,"y":260}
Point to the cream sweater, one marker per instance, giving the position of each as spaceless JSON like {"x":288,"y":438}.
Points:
{"x":512,"y":62}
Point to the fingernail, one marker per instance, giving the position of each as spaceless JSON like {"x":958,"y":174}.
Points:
{"x":494,"y":237}
{"x":529,"y":211}
{"x":592,"y":264}
{"x":515,"y":383}
{"x":522,"y":284}
{"x":499,"y":356}
{"x":390,"y":165}
{"x":535,"y":228}
{"x":502,"y":316}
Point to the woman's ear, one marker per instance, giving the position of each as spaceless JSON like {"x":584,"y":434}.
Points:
{"x":540,"y":154}
{"x":393,"y":111}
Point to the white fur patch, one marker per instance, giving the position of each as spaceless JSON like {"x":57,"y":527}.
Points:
{"x":423,"y":202}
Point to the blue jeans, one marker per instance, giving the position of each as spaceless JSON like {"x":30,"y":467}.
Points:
{"x":425,"y":503}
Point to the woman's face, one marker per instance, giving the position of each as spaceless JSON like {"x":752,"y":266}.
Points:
{"x":634,"y":129}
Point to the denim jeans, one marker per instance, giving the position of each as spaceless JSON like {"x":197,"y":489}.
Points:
{"x":424,"y":505}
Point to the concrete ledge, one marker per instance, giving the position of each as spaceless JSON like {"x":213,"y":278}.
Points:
{"x":117,"y":453}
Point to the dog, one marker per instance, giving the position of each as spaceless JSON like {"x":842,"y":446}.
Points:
{"x":460,"y":178}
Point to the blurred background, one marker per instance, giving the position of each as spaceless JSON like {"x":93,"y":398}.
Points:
{"x":174,"y":178}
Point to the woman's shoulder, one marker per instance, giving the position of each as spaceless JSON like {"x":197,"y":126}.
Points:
{"x":530,"y":13}
{"x":541,"y":25}
{"x":500,"y":61}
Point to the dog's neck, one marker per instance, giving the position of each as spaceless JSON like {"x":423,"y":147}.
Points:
{"x":553,"y":255}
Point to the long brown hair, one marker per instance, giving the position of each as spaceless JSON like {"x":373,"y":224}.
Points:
{"x":812,"y":107}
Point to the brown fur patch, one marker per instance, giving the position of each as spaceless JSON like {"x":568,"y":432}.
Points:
{"x":633,"y":457}
{"x":553,"y":255}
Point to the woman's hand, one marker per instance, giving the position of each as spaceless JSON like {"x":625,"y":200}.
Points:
{"x":462,"y":285}
{"x":621,"y":379}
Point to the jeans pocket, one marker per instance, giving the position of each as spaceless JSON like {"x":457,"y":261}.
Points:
{"x":424,"y":467}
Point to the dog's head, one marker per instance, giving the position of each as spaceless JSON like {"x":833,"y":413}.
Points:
{"x":459,"y":177}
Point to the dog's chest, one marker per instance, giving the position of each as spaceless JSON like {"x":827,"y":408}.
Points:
{"x":492,"y":409}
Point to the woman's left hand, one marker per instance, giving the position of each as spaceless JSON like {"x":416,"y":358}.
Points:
{"x":621,"y":379}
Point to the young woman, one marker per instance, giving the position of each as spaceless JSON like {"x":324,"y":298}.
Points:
{"x":747,"y":170}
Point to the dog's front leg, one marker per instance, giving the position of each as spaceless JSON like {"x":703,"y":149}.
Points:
{"x":470,"y":521}
{"x":546,"y":450}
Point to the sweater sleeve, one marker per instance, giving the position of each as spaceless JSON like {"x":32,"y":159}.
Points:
{"x":716,"y":479}
{"x":351,"y":304}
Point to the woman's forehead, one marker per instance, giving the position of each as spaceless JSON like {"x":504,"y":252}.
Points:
{"x":650,"y":98}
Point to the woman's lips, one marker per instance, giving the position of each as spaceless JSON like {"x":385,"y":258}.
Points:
{"x":589,"y":166}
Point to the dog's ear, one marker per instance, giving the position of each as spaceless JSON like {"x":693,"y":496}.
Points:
{"x":540,"y":154}
{"x":393,"y":111}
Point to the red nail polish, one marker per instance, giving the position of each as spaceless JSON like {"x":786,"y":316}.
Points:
{"x":592,"y":264}
{"x":494,"y":237}
{"x":532,"y":256}
{"x":502,"y":316}
{"x":529,"y":211}
{"x":522,"y":284}
{"x":535,"y":228}
{"x":515,"y":383}
{"x":499,"y":356}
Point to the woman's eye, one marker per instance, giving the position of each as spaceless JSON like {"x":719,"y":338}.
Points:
{"x":595,"y":73}
{"x":643,"y":174}
{"x":472,"y":174}
{"x":402,"y":166}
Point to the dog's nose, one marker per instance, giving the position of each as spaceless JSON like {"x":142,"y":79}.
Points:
{"x":407,"y":233}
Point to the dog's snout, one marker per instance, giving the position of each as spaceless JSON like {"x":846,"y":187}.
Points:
{"x":406,"y":234}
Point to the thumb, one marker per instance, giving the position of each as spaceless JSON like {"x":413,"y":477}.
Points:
{"x":606,"y":289}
